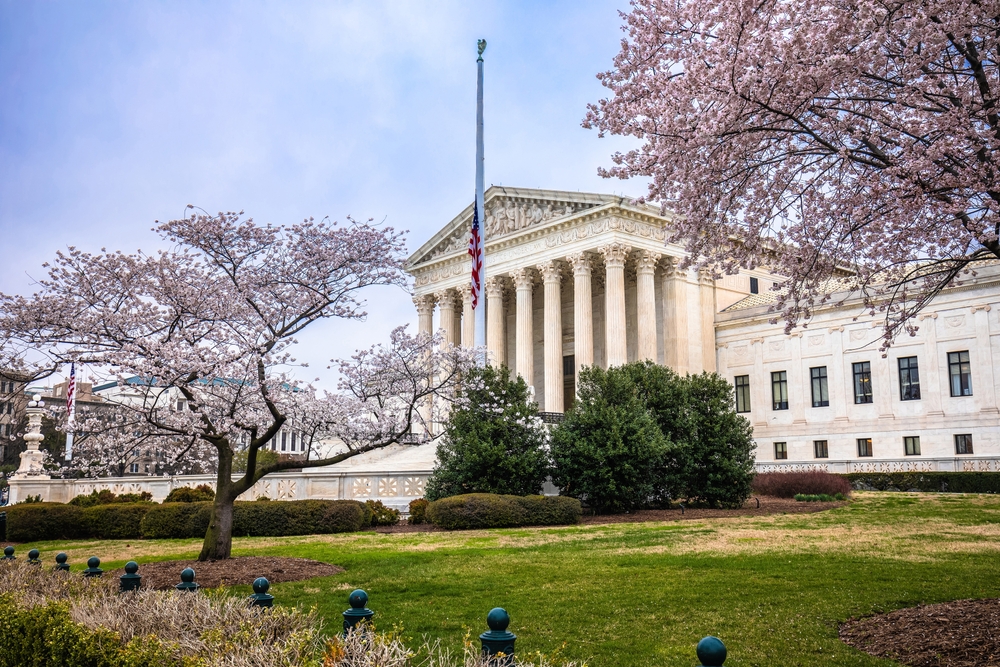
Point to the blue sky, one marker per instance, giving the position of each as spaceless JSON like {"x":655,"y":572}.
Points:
{"x":113,"y":115}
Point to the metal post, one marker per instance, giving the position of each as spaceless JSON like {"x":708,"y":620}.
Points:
{"x":260,"y":598}
{"x":131,"y":580}
{"x":93,"y":567}
{"x":187,"y":581}
{"x":33,"y":557}
{"x":711,"y":652}
{"x":359,"y":611}
{"x":8,"y":553}
{"x":498,"y":642}
{"x":61,"y":565}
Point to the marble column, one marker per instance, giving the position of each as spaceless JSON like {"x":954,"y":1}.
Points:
{"x":675,"y":313}
{"x":986,"y":391}
{"x":646,"y":303}
{"x":524,"y":346}
{"x":468,"y":317}
{"x":425,"y":325}
{"x":446,"y":307}
{"x":583,"y":312}
{"x":707,"y":301}
{"x":841,"y":391}
{"x":614,"y":305}
{"x":933,"y":381}
{"x":495,"y":320}
{"x":552,"y":279}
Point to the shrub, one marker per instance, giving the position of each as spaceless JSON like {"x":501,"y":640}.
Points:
{"x":608,"y":451}
{"x":186,"y":494}
{"x":29,"y":500}
{"x":176,"y":520}
{"x":118,"y":521}
{"x":34,"y":522}
{"x":788,"y":484}
{"x":297,"y":517}
{"x":819,"y":497}
{"x":265,"y":457}
{"x":107,"y":497}
{"x":494,"y":441}
{"x":418,"y":511}
{"x":487,"y":510}
{"x":948,"y":482}
{"x":382,"y":515}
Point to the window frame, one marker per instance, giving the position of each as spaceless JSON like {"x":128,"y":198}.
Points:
{"x":966,"y":444}
{"x":781,"y":383}
{"x":955,"y":362}
{"x":821,"y":449}
{"x":781,"y":451}
{"x":819,"y":379}
{"x":911,"y":445}
{"x":742,"y":397}
{"x":909,"y":378}
{"x":754,"y":285}
{"x":864,"y":447}
{"x":861,"y":375}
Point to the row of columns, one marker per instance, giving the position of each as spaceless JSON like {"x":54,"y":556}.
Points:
{"x":552,"y":272}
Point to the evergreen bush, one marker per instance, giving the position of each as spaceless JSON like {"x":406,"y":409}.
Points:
{"x":118,"y":521}
{"x":488,"y":510}
{"x":609,"y":451}
{"x":187,"y":494}
{"x":176,"y":520}
{"x":418,"y":511}
{"x":254,"y":519}
{"x":33,"y":522}
{"x":947,"y":482}
{"x":107,"y":497}
{"x":382,"y":515}
{"x":494,"y":441}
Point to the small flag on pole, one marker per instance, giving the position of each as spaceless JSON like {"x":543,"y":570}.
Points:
{"x":70,"y":409}
{"x":476,"y":251}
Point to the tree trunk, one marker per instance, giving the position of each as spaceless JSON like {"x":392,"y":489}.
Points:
{"x":219,"y":537}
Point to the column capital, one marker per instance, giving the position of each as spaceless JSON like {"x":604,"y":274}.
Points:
{"x":465,"y":293}
{"x":645,"y":261}
{"x":581,"y":263}
{"x":614,"y":254}
{"x":446,"y":299}
{"x":672,"y":267}
{"x":706,"y":276}
{"x":495,"y":287}
{"x":523,"y":278}
{"x":551,"y":271}
{"x":424,"y":303}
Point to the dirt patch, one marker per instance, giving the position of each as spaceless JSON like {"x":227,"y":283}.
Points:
{"x":965,"y":633}
{"x":768,"y":505}
{"x":164,"y":575}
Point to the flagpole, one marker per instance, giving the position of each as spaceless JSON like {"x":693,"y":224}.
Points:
{"x":480,"y":310}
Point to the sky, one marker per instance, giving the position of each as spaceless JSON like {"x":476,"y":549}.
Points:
{"x":117,"y":114}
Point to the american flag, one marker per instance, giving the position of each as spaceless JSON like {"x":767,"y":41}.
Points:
{"x":71,"y":393}
{"x":476,"y":251}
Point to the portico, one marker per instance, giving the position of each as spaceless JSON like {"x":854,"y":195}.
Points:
{"x":573,"y":279}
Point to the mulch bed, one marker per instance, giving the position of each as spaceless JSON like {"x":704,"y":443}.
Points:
{"x":163,"y":575}
{"x":964,"y":633}
{"x":768,"y":505}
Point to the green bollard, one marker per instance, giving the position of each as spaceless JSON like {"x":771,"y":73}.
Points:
{"x":187,"y":581}
{"x":260,"y":598}
{"x":498,"y":642}
{"x":8,"y":553}
{"x":359,"y":611}
{"x":33,"y":557}
{"x":131,"y":580}
{"x":711,"y":652}
{"x":93,"y":567}
{"x":61,"y":565}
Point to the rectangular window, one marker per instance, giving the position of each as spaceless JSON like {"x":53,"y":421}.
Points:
{"x":909,"y":379}
{"x":779,"y":390}
{"x":820,"y":389}
{"x":134,"y":467}
{"x":754,"y":286}
{"x":293,"y":440}
{"x":862,"y":382}
{"x":284,"y":440}
{"x":742,"y":383}
{"x":781,"y":450}
{"x":963,"y":444}
{"x":820,"y":449}
{"x":864,"y":446}
{"x":911,"y":444}
{"x":961,"y":373}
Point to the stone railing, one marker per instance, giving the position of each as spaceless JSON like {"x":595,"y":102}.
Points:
{"x":394,"y":488}
{"x":913,"y":464}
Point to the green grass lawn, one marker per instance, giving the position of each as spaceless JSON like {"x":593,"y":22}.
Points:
{"x":773,"y":588}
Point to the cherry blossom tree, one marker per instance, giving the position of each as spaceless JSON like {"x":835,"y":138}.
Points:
{"x":852,"y":141}
{"x":207,"y":327}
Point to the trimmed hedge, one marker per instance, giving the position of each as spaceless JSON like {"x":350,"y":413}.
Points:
{"x":418,"y":511}
{"x":254,"y":519}
{"x":119,"y":521}
{"x":947,"y":482}
{"x":46,"y":635}
{"x":187,"y":494}
{"x":790,"y":484}
{"x":487,"y":510}
{"x":32,"y":522}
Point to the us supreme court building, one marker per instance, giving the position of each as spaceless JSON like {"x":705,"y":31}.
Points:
{"x":577,"y":279}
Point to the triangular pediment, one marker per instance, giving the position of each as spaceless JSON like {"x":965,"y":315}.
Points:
{"x":509,"y":211}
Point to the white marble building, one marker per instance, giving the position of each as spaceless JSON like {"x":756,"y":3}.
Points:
{"x":577,"y":279}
